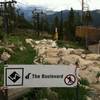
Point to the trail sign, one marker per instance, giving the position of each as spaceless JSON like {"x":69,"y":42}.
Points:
{"x":17,"y":76}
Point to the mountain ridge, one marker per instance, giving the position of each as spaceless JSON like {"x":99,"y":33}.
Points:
{"x":51,"y":14}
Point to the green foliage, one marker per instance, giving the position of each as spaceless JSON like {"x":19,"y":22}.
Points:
{"x":69,"y":44}
{"x":78,"y":19}
{"x":61,"y":44}
{"x":71,"y":25}
{"x":1,"y":73}
{"x":87,"y":18}
{"x":1,"y":50}
{"x":36,"y":94}
{"x":98,"y":75}
{"x":23,"y":57}
{"x":44,"y":25}
{"x":17,"y":40}
{"x":55,"y":24}
{"x":1,"y":21}
{"x":70,"y":93}
{"x":40,"y":22}
{"x":84,"y":81}
{"x":2,"y":35}
{"x":61,"y":93}
{"x":22,"y":23}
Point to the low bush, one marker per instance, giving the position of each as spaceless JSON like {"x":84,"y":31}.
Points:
{"x":23,"y":57}
{"x":84,"y":81}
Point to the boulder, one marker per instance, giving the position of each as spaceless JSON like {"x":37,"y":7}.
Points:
{"x":41,"y":50}
{"x":51,"y":60}
{"x":30,"y":41}
{"x":10,"y":50}
{"x":71,"y":59}
{"x":62,"y":52}
{"x":70,"y":50}
{"x":93,"y":57}
{"x":5,"y":56}
{"x":49,"y":42}
{"x":83,"y":56}
{"x":44,"y":41}
{"x":77,"y":51}
{"x":11,"y":46}
{"x":37,"y":42}
{"x":52,"y":52}
{"x":90,"y":73}
{"x":53,"y":45}
{"x":88,"y":98}
{"x":84,"y":63}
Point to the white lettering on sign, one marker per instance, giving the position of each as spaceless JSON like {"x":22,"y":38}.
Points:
{"x":17,"y":76}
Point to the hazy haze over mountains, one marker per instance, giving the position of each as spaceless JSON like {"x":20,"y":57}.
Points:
{"x":51,"y":14}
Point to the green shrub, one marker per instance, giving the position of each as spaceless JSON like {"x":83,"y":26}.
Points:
{"x":98,"y":75}
{"x":1,"y":73}
{"x":84,"y":81}
{"x":61,"y":93}
{"x":1,"y":50}
{"x":69,"y":44}
{"x":2,"y":35}
{"x":23,"y":57}
{"x":17,"y":40}
{"x":71,"y":93}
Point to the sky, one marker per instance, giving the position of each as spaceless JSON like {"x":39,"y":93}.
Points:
{"x":58,"y":5}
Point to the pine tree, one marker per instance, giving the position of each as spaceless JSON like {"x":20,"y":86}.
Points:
{"x":40,"y":22}
{"x":78,"y":19}
{"x":87,"y":18}
{"x":55,"y":24}
{"x":71,"y":24}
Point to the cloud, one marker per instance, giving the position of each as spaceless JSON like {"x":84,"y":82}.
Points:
{"x":62,"y":4}
{"x":54,"y":4}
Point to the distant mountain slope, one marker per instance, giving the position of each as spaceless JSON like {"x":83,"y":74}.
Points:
{"x":95,"y":16}
{"x":64,"y":14}
{"x":51,"y":14}
{"x":28,"y":11}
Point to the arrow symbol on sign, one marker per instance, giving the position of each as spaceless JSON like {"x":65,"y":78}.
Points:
{"x":28,"y":75}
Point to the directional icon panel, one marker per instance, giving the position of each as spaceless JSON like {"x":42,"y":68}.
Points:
{"x":14,"y":76}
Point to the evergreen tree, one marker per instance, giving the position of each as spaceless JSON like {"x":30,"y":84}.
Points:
{"x":87,"y":18}
{"x":61,"y":34}
{"x":78,"y":19}
{"x":65,"y":29}
{"x":44,"y":25}
{"x":40,"y":21}
{"x":71,"y":24}
{"x":55,"y":24}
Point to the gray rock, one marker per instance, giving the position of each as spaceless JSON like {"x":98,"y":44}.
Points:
{"x":77,"y":51}
{"x":30,"y":41}
{"x":93,"y":57}
{"x":22,"y":48}
{"x":5,"y":56}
